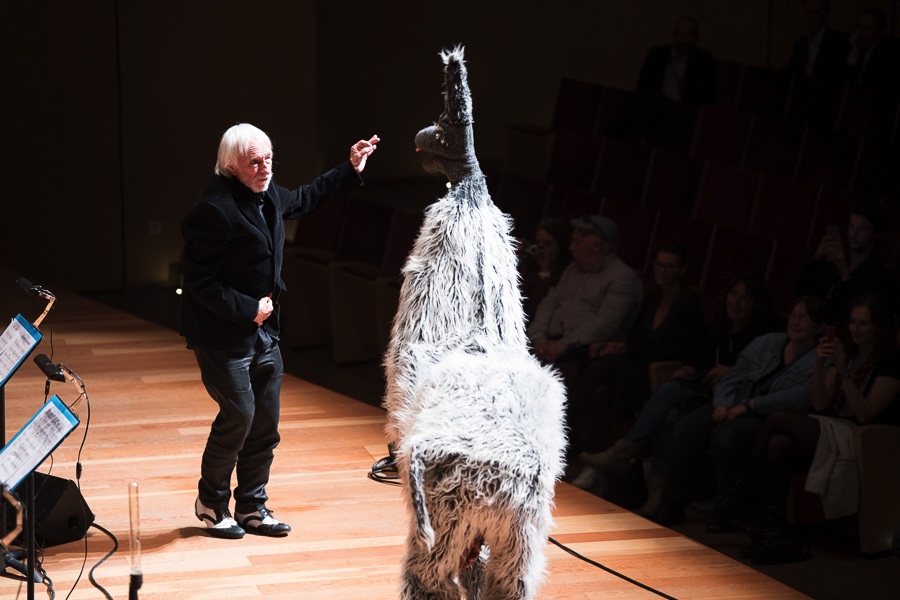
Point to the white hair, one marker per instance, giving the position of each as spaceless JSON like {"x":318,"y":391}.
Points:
{"x":235,"y":143}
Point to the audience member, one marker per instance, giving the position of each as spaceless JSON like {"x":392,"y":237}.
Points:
{"x":676,"y":72}
{"x":838,"y":275}
{"x":597,"y":299}
{"x":746,"y":314}
{"x":772,"y":373}
{"x":680,"y":71}
{"x":874,"y":58}
{"x":543,"y":262}
{"x":822,"y":51}
{"x":669,"y":327}
{"x":851,"y":385}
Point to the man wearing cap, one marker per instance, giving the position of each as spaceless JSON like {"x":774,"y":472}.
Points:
{"x":596,"y":300}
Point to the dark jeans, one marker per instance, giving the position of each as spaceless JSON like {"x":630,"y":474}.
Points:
{"x":696,"y":436}
{"x":245,"y":432}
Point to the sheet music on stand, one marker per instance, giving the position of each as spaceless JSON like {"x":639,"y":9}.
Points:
{"x":16,"y":343}
{"x":40,"y":436}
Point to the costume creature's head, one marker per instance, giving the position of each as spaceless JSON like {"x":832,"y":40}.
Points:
{"x":449,"y":144}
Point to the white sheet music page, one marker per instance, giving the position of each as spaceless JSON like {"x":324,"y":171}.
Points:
{"x":16,"y":343}
{"x":35,"y":441}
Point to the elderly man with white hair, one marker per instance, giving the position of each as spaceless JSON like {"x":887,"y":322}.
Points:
{"x":234,"y":242}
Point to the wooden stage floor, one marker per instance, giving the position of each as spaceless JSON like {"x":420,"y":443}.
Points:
{"x":148,"y":423}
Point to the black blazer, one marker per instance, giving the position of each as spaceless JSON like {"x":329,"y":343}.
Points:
{"x":232,"y":258}
{"x":831,"y":61}
{"x":699,"y":74}
{"x":882,"y":70}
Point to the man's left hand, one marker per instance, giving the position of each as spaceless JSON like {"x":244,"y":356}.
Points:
{"x":360,"y":151}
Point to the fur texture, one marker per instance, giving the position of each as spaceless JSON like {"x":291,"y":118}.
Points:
{"x":477,"y":421}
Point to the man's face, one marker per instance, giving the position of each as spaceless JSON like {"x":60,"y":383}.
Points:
{"x":254,"y":169}
{"x":860,"y":233}
{"x":867,"y":31}
{"x":685,"y":35}
{"x":816,"y":15}
{"x":587,"y":249}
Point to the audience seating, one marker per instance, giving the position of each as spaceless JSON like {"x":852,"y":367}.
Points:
{"x":877,"y":171}
{"x":877,"y":448}
{"x":774,"y":146}
{"x":614,"y":100}
{"x":721,"y":134}
{"x":727,"y":195}
{"x":357,"y":328}
{"x":729,"y":76}
{"x":314,"y":244}
{"x":635,"y":230}
{"x":765,"y":92}
{"x":784,"y":208}
{"x":829,"y":158}
{"x":870,"y":113}
{"x":732,"y":252}
{"x":621,"y":170}
{"x":524,"y":200}
{"x":672,"y":182}
{"x":567,"y":203}
{"x":832,"y":208}
{"x":578,"y":106}
{"x":817,"y":102}
{"x":774,"y":161}
{"x":787,"y":261}
{"x":359,"y":240}
{"x":573,"y":161}
{"x":673,"y":127}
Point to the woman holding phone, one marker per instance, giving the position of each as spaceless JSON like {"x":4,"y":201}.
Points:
{"x":853,"y":383}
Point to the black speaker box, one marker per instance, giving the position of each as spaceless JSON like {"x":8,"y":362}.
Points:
{"x":60,"y":513}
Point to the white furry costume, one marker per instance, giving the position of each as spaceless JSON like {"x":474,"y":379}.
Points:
{"x":477,"y":421}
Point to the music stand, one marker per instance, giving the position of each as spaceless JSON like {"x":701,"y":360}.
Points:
{"x":16,"y":343}
{"x":38,"y":438}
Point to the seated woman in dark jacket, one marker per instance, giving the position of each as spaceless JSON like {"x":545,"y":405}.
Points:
{"x":746,"y":314}
{"x":669,"y":326}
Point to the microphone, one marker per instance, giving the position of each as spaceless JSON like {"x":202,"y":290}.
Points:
{"x":34,"y":290}
{"x":53,"y":372}
{"x":28,"y":287}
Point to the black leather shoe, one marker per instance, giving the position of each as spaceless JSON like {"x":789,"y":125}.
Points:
{"x":219,"y":522}
{"x":261,"y":522}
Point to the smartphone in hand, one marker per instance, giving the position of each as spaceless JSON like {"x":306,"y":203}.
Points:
{"x":829,"y":333}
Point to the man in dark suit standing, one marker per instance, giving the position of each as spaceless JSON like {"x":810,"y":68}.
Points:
{"x":677,"y":75}
{"x":823,"y":51}
{"x":680,"y":71}
{"x":234,"y":239}
{"x":874,"y":58}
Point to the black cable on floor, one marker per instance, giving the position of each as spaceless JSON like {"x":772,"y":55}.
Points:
{"x":99,"y":562}
{"x":385,"y":471}
{"x":610,"y":571}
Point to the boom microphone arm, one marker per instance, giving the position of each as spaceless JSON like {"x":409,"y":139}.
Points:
{"x":60,"y":372}
{"x":38,"y":292}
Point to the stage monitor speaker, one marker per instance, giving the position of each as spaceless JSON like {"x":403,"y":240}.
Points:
{"x":60,"y":513}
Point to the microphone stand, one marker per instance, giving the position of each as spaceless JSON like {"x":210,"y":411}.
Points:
{"x":137,"y":576}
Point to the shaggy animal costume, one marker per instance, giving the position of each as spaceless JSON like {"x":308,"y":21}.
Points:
{"x":477,"y":421}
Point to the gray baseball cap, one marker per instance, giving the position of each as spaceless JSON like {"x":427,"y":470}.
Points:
{"x":597,"y":225}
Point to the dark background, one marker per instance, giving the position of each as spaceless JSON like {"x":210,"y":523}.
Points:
{"x":112,"y":110}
